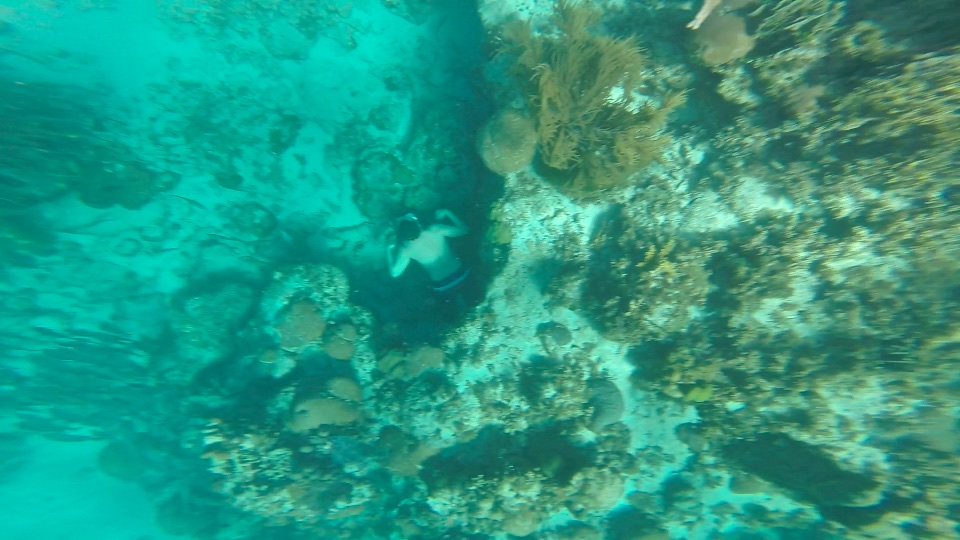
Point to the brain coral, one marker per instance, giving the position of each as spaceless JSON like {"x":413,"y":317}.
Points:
{"x":507,"y":142}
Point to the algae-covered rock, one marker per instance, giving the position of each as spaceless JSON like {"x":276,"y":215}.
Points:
{"x":380,"y":180}
{"x":205,"y":322}
{"x":639,"y":286}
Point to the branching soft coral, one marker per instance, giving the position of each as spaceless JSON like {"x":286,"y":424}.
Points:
{"x":592,"y":131}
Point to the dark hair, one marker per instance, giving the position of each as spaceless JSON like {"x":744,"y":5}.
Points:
{"x":408,"y":228}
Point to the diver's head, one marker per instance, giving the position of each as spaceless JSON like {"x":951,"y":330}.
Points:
{"x":408,"y":228}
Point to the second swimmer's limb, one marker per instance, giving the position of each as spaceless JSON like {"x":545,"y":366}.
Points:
{"x":397,"y":260}
{"x":458,"y":228}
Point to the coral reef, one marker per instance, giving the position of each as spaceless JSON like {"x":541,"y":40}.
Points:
{"x":752,"y":335}
{"x":309,"y":442}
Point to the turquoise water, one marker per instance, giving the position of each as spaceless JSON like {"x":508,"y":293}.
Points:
{"x":426,"y":269}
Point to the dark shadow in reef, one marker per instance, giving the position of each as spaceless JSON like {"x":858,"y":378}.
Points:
{"x":811,"y":475}
{"x":496,"y":454}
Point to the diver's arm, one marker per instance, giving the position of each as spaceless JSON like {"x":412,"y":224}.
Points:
{"x":458,"y":228}
{"x":397,"y":260}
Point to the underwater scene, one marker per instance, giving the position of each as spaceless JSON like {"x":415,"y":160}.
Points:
{"x":479,"y":269}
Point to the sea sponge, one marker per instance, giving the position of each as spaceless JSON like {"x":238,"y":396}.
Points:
{"x":507,"y":142}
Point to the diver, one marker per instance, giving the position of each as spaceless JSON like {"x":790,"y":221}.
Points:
{"x":450,"y":279}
